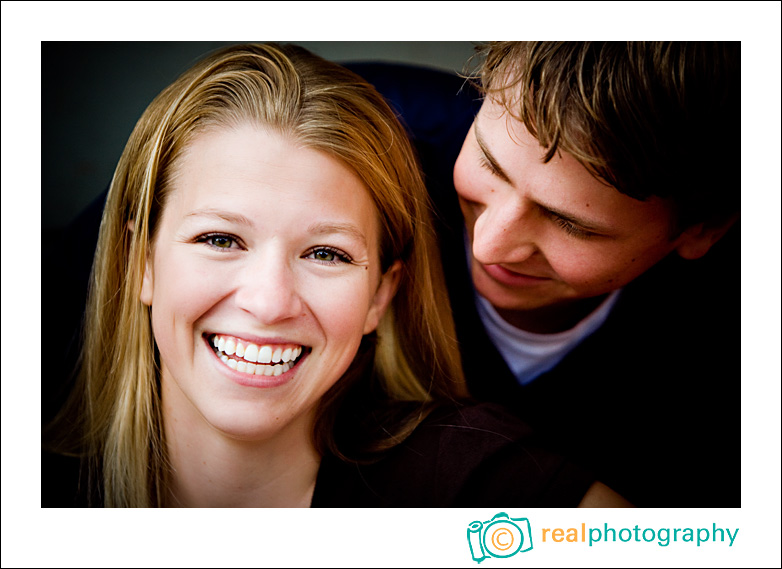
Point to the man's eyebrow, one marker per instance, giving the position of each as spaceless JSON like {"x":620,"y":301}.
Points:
{"x":228,"y":216}
{"x":327,"y":227}
{"x":500,"y":173}
{"x":495,"y":167}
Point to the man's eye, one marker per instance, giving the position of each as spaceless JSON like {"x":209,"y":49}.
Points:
{"x":488,"y":165}
{"x":571,"y":229}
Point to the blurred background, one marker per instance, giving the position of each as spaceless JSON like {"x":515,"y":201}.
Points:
{"x":92,"y":94}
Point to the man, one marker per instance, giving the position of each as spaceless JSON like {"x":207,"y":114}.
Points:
{"x":591,"y":285}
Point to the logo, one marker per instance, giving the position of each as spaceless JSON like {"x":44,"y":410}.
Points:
{"x":501,"y":536}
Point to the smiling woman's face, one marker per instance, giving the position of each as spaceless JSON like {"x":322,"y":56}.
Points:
{"x":263,"y":278}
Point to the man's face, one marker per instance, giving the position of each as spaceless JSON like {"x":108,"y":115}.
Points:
{"x":545,"y":236}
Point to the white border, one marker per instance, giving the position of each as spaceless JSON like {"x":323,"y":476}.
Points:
{"x":35,"y":537}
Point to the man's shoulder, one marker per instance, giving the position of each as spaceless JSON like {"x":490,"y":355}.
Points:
{"x":425,"y":97}
{"x":436,"y":108}
{"x":699,"y":299}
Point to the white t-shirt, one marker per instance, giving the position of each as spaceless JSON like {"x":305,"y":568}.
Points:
{"x":529,"y":355}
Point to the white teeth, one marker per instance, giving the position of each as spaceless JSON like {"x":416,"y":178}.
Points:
{"x":283,"y":358}
{"x":253,"y":369}
{"x":265,"y":355}
{"x":251,"y":353}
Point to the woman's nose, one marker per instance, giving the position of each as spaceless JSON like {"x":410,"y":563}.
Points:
{"x":504,"y":233}
{"x":269,"y":290}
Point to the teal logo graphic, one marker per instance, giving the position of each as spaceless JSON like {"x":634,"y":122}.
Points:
{"x":501,"y":536}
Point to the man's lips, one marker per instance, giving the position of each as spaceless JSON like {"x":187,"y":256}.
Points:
{"x":512,"y":278}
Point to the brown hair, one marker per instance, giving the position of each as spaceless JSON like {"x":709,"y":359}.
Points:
{"x":410,"y":363}
{"x":649,"y":118}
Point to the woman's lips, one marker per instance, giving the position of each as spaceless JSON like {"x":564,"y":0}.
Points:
{"x":512,"y":278}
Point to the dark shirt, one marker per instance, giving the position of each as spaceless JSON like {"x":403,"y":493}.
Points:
{"x":475,"y":456}
{"x":466,"y":456}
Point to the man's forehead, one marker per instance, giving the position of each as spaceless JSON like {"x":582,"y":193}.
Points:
{"x":494,"y":118}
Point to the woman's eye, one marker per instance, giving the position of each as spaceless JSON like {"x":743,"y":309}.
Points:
{"x":328,"y":255}
{"x":217,"y":240}
{"x":323,"y":255}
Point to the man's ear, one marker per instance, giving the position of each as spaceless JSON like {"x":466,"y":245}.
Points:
{"x":386,"y":290}
{"x":696,"y":240}
{"x":147,"y":283}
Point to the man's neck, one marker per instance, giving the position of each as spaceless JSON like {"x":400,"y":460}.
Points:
{"x":551,"y":319}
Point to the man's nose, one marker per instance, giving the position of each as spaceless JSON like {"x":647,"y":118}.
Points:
{"x":504,"y":233}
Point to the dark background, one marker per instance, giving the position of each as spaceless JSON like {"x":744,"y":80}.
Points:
{"x":92,"y":94}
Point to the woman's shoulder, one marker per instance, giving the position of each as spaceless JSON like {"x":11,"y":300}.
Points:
{"x":459,"y":456}
{"x":486,"y":420}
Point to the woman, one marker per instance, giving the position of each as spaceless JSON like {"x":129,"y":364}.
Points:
{"x":266,"y":323}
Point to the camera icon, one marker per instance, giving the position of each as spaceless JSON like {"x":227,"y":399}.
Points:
{"x":501,"y":536}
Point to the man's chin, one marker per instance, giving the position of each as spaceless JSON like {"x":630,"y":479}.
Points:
{"x":504,"y":297}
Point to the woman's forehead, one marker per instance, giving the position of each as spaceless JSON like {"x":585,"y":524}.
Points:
{"x":257,"y":174}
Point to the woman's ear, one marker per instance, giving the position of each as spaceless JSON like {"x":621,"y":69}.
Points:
{"x":696,"y":240}
{"x":147,"y":283}
{"x":389,"y":283}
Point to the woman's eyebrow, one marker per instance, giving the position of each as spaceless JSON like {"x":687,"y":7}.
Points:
{"x":321,"y":228}
{"x":327,"y":228}
{"x":496,"y":168}
{"x":228,"y":216}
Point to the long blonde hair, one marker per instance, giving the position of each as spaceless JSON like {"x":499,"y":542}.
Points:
{"x":411,"y":362}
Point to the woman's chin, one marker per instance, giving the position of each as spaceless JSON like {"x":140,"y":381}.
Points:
{"x":255,"y":426}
